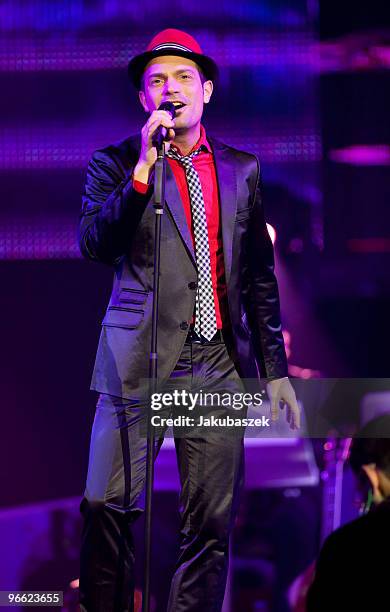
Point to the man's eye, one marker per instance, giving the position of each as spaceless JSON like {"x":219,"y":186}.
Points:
{"x":185,"y":76}
{"x":156,"y":81}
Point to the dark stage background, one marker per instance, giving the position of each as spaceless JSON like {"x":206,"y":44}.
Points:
{"x":304,"y":85}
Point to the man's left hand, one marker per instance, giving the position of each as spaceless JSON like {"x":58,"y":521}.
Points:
{"x":281,"y":390}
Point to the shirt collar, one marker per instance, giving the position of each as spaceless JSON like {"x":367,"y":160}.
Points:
{"x":201,"y":142}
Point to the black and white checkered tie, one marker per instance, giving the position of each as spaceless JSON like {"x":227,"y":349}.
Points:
{"x":205,"y":321}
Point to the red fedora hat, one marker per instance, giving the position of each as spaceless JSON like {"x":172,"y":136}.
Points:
{"x":172,"y":42}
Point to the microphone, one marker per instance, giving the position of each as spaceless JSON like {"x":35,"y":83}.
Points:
{"x":161,"y":133}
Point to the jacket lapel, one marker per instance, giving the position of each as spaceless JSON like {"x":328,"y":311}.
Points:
{"x":176,"y":208}
{"x":227,"y":184}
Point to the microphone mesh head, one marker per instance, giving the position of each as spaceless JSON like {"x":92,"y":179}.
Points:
{"x":169,"y":107}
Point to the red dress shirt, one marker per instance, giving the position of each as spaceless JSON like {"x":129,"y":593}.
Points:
{"x":205,"y":167}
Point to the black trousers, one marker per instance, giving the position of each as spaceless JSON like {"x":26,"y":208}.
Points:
{"x":211,"y":466}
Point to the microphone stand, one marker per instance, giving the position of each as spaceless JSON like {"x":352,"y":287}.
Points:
{"x":159,"y":201}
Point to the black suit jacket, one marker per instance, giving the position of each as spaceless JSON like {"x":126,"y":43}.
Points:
{"x":117,"y":228}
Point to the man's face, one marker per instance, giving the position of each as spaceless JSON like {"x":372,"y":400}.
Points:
{"x":176,"y":79}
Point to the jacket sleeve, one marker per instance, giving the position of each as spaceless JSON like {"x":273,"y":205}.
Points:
{"x":111,"y":210}
{"x":264,"y":307}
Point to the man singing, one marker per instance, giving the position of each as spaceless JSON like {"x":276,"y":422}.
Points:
{"x":219,"y":320}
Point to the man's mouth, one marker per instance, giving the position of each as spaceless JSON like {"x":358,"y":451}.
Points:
{"x":178,"y":105}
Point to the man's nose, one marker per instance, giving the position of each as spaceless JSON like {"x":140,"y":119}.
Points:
{"x":172,"y":85}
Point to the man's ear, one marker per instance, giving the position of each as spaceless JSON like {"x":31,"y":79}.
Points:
{"x":142,"y":99}
{"x":207,"y":91}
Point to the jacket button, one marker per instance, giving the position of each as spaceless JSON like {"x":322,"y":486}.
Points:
{"x":184,"y":325}
{"x":192,"y":285}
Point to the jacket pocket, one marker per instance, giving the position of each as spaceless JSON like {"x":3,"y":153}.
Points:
{"x":120,"y":316}
{"x":129,"y":295}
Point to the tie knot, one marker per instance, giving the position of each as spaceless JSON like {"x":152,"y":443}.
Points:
{"x":185,"y":160}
